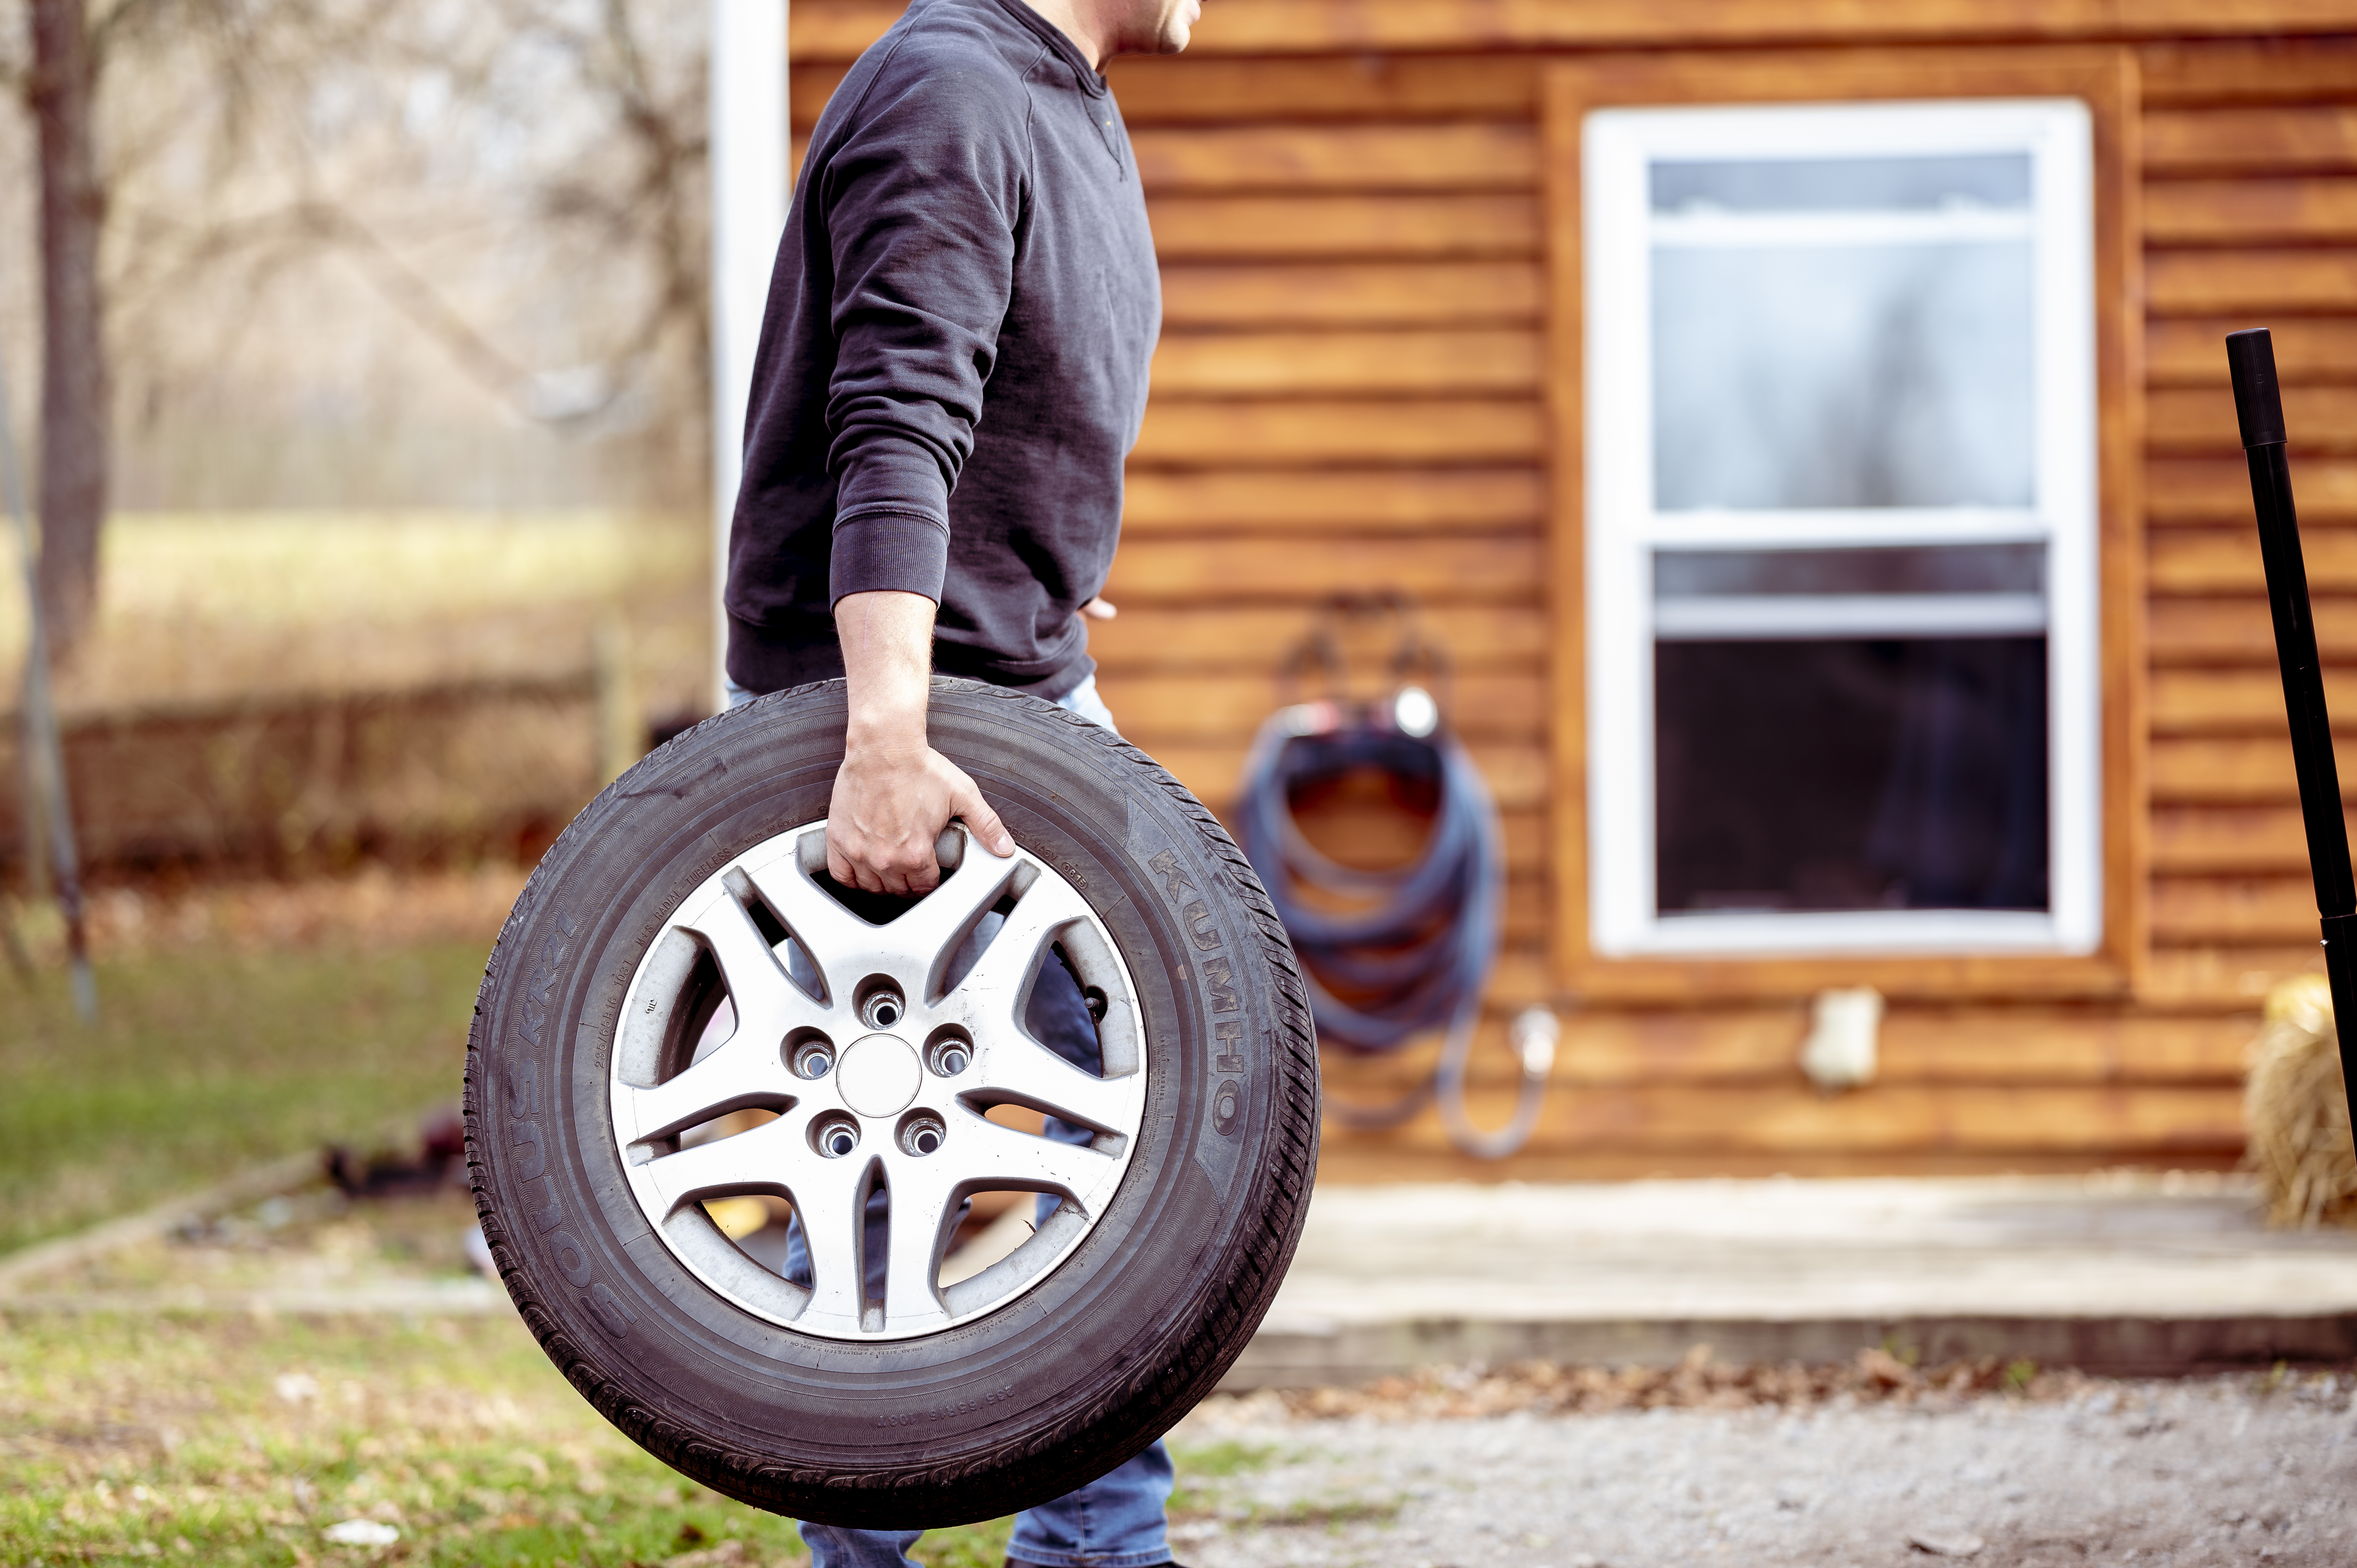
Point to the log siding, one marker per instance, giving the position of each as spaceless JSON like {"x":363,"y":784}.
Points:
{"x":1352,"y":393}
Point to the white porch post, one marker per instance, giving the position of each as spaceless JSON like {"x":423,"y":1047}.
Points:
{"x":748,"y":211}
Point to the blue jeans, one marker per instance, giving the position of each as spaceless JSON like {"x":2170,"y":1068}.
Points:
{"x":1116,"y":1520}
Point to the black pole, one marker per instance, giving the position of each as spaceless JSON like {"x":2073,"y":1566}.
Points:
{"x":2259,"y":404}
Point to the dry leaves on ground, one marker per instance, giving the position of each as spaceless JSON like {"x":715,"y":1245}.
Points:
{"x":1695,"y":1383}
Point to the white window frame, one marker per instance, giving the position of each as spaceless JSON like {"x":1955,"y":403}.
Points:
{"x":1622,"y":527}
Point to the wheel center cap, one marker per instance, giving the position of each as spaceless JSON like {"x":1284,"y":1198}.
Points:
{"x":878,"y":1075}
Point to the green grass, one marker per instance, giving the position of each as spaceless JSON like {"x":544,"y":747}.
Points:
{"x":1221,"y":1459}
{"x":236,"y":1442}
{"x":204,"y":1063}
{"x":1328,"y":1515}
{"x":1202,"y":1466}
{"x":1200,"y":1494}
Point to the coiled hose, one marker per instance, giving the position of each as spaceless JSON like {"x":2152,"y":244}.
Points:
{"x":1412,"y":947}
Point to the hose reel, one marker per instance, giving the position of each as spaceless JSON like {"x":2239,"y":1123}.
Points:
{"x":1391,"y":955}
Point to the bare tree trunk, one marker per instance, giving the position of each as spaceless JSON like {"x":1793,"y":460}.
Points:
{"x":73,"y":355}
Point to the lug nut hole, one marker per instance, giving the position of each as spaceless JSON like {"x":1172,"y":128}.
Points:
{"x":923,"y":1134}
{"x":949,"y":1052}
{"x":835,"y":1137}
{"x":809,"y":1053}
{"x":881,"y":1006}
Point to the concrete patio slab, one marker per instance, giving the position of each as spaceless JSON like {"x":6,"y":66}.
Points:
{"x":2121,"y":1273}
{"x":2115,"y":1273}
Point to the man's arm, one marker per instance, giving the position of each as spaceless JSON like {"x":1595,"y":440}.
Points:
{"x":920,"y":204}
{"x":895,"y":793}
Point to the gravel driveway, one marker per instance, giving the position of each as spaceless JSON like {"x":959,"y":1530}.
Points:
{"x":2213,"y":1471}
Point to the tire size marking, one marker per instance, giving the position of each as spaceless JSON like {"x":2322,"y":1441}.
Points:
{"x":1218,"y":978}
{"x":526,"y":1141}
{"x":939,"y":1412}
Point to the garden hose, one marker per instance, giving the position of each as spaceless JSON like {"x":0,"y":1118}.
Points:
{"x":1390,"y":955}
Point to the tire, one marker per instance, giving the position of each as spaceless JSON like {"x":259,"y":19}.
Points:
{"x":903,"y":1404}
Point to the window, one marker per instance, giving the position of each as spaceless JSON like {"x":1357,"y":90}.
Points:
{"x":1841,"y":526}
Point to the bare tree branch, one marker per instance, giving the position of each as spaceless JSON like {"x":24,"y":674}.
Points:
{"x":519,"y":181}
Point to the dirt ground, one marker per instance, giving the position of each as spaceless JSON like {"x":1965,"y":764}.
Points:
{"x":2234,"y":1470}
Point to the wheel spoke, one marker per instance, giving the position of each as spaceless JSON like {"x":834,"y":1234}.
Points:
{"x":930,"y":930}
{"x":832,"y":934}
{"x":754,"y":1161}
{"x":745,"y":1071}
{"x":989,"y":1155}
{"x":1013,"y":1068}
{"x":920,"y":1206}
{"x":993,"y":989}
{"x":767,"y":1002}
{"x":830,"y":1197}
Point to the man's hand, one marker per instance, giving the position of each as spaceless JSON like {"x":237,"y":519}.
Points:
{"x":894,"y":793}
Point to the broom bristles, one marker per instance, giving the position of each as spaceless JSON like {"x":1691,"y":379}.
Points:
{"x":2298,"y":1110}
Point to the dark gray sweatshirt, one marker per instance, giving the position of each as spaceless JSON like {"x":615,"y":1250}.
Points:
{"x":953,"y":360}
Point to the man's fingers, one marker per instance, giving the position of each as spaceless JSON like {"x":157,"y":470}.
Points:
{"x":850,"y":871}
{"x":980,"y":820}
{"x":874,"y":871}
{"x":910,"y":869}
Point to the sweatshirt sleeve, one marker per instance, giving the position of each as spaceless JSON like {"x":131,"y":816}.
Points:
{"x":924,"y":203}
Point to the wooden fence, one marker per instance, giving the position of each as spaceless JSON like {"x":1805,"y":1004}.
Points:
{"x":314,"y":780}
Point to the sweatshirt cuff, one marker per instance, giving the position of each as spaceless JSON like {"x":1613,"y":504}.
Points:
{"x":877,"y":549}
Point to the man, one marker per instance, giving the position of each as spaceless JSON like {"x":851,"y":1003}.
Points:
{"x":951,"y":369}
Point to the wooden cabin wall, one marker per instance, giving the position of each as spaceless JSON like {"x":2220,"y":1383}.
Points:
{"x":2250,"y":220}
{"x":1349,"y":397}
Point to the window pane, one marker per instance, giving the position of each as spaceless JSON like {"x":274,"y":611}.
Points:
{"x":1809,"y":376}
{"x":1834,"y":774}
{"x":1999,"y":180}
{"x":1900,"y":569}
